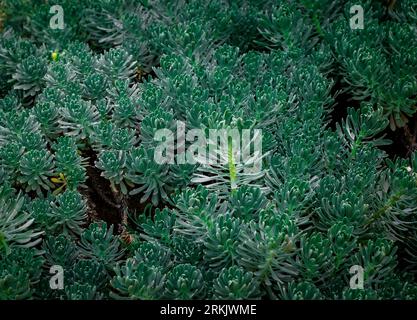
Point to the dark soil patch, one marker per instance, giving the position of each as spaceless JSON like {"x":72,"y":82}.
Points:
{"x":404,"y":140}
{"x":101,"y":202}
{"x":109,"y":205}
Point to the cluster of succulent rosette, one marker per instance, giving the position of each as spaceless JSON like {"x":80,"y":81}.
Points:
{"x":89,"y":98}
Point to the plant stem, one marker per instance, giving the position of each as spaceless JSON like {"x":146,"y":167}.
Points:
{"x":232,"y":166}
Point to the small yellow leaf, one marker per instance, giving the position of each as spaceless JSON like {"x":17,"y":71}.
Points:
{"x":54,"y":56}
{"x":57,"y":191}
{"x":56,"y":180}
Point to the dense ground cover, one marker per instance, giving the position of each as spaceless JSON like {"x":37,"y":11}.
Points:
{"x":80,"y":188}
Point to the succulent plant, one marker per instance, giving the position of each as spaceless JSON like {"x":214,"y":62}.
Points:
{"x":304,"y":184}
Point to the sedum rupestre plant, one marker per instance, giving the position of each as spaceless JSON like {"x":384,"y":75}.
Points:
{"x":323,"y":189}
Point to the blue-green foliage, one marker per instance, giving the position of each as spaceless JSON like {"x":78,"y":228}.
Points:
{"x":91,"y":97}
